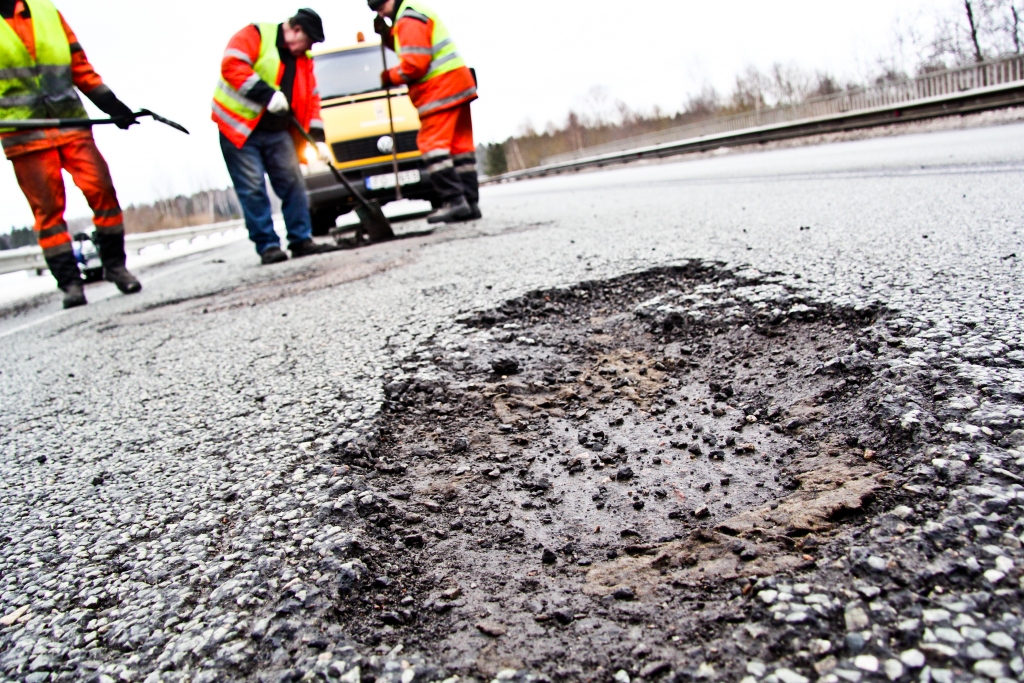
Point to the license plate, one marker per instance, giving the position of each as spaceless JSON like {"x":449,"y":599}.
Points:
{"x":383,"y":182}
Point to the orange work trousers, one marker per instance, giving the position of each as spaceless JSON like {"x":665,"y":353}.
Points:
{"x":446,"y":143}
{"x":39,"y":175}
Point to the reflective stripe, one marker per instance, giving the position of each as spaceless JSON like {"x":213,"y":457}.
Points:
{"x":249,"y":84}
{"x":63,"y":248}
{"x":238,"y":54}
{"x":433,"y":154}
{"x":22,"y":138}
{"x":19,"y":101}
{"x":316,"y":123}
{"x":107,"y":213}
{"x":443,"y":60}
{"x":431,"y":106}
{"x":440,"y":166}
{"x":416,"y":50}
{"x":111,"y":230}
{"x":51,"y":232}
{"x":38,"y":98}
{"x":442,"y":45}
{"x":470,"y":168}
{"x":33,"y":71}
{"x":228,"y":121}
{"x":470,"y":156}
{"x":238,"y":97}
{"x":413,"y":14}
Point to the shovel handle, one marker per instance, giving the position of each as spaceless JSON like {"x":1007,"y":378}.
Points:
{"x":37,"y":124}
{"x":391,"y":119}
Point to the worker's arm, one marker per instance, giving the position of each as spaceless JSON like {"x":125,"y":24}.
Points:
{"x":84,"y":76}
{"x":415,"y":33}
{"x":89,"y":82}
{"x":237,"y":66}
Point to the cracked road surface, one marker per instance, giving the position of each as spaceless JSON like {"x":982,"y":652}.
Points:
{"x":181,"y":497}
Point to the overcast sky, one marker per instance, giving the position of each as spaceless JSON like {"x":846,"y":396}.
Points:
{"x":535,"y":59}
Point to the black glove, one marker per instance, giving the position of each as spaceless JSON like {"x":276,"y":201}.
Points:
{"x":381,"y":28}
{"x":123,"y":117}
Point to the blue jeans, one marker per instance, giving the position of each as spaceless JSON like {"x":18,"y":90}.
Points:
{"x":269,"y":154}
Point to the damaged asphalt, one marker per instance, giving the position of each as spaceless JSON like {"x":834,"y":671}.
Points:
{"x":753,"y":417}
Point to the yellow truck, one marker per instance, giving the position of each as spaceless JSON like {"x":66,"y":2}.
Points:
{"x":355,"y":114}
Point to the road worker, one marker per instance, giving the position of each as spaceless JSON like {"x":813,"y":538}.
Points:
{"x":41,"y":64}
{"x":441,"y":87}
{"x":267,"y":79}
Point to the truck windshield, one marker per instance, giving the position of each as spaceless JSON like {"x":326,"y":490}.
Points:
{"x":352,"y":72}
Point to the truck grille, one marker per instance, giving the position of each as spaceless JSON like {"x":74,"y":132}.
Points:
{"x":366,"y":148}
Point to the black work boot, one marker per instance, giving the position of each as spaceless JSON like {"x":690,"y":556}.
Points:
{"x":311,"y":248}
{"x":272,"y":256}
{"x":74,"y":295}
{"x":111,"y":248}
{"x":64,"y":268}
{"x":452,"y":211}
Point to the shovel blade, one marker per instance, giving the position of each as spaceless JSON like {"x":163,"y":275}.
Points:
{"x":374,"y":222}
{"x":166,"y":122}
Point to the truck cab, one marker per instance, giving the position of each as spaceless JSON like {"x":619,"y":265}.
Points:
{"x":358,"y":129}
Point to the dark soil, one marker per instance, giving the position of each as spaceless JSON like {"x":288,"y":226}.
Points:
{"x":593,"y":479}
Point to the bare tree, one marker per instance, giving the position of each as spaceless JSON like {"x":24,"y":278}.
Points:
{"x":1016,"y":28}
{"x":978,"y":57}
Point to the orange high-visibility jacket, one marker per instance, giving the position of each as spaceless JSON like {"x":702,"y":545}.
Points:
{"x":237,"y":69}
{"x":83,"y":75}
{"x":449,"y":90}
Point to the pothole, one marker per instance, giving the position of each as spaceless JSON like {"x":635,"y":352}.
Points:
{"x":589,"y":470}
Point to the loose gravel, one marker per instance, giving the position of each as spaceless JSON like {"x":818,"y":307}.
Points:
{"x":172,"y":486}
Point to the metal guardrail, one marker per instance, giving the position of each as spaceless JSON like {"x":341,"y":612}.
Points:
{"x":141,"y":240}
{"x":980,"y":99}
{"x":945,"y":88}
{"x":25,"y":258}
{"x":951,"y":82}
{"x":31,"y":258}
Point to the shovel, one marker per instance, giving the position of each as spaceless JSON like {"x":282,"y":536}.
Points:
{"x":33,"y":124}
{"x":391,"y":118}
{"x":372,"y":219}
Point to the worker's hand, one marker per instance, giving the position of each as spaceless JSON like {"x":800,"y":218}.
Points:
{"x":123,"y":116}
{"x":385,"y":78}
{"x":381,"y":28}
{"x":279,"y":103}
{"x":324,"y":151}
{"x":117,"y":110}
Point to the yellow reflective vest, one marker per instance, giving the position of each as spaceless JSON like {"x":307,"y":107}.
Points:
{"x":42,"y":87}
{"x":444,"y":53}
{"x":231,"y":106}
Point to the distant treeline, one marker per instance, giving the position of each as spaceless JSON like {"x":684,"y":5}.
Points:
{"x":18,"y":237}
{"x":202,"y":208}
{"x":961,"y":33}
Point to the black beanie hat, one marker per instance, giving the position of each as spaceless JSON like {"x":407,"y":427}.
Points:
{"x":375,"y":4}
{"x":310,"y":23}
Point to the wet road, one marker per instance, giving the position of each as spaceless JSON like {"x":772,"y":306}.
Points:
{"x":133,"y":428}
